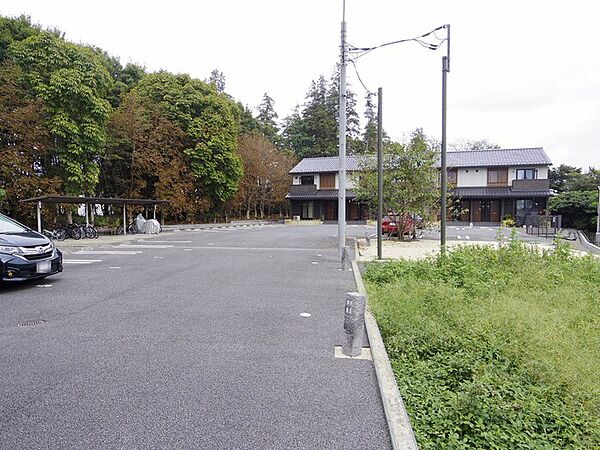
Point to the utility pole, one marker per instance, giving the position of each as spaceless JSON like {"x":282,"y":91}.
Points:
{"x":342,"y":146}
{"x":444,"y":174}
{"x":379,"y":170}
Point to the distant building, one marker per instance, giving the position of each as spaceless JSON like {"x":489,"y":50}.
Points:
{"x":314,"y":190}
{"x":487,"y":184}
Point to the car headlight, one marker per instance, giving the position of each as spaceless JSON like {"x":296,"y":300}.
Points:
{"x":8,"y":250}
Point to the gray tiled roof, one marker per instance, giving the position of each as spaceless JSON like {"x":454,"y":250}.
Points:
{"x":329,"y":194}
{"x":477,"y":158}
{"x":325,"y":164}
{"x":497,"y":192}
{"x":498,"y":157}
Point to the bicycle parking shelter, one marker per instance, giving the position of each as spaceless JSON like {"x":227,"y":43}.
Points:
{"x":62,"y":199}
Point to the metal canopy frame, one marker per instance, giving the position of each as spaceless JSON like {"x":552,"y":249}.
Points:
{"x":92,"y":201}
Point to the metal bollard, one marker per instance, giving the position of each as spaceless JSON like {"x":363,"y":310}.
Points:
{"x":354,"y":323}
{"x":368,"y":238}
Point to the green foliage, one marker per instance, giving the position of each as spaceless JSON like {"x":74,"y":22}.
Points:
{"x":409,"y":178}
{"x":313,"y":130}
{"x":73,"y":84}
{"x":266,"y":118}
{"x":568,"y":178}
{"x":578,"y":208}
{"x":209,"y":120}
{"x":494,"y":348}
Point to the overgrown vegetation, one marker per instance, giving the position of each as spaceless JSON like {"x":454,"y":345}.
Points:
{"x":494,"y":348}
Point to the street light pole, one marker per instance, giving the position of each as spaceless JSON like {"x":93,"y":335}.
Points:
{"x":379,"y":170}
{"x":342,"y":146}
{"x":598,"y":220}
{"x":444,"y":175}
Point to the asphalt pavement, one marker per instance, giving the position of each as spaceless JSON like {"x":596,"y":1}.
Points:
{"x":192,"y":339}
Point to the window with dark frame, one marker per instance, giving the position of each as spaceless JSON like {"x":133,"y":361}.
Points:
{"x":526,"y":174}
{"x":307,"y":179}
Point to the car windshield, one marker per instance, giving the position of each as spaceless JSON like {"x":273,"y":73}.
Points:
{"x":10,"y":226}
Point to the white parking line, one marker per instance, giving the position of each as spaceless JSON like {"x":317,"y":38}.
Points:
{"x":107,"y":252}
{"x":115,"y":267}
{"x":458,"y":236}
{"x":80,"y":261}
{"x":467,"y":237}
{"x":142,"y":246}
{"x":170,"y":242}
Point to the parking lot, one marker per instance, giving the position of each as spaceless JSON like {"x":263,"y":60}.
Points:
{"x":188,"y":339}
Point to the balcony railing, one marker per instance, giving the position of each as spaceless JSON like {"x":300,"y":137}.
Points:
{"x":302,"y":189}
{"x":531,"y":185}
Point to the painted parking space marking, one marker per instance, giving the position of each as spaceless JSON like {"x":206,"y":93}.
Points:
{"x":305,"y":314}
{"x":365,"y":353}
{"x":114,"y":267}
{"x":467,"y":237}
{"x":142,"y":246}
{"x":81,"y":261}
{"x":158,"y":257}
{"x":43,"y":285}
{"x":107,"y":252}
{"x":170,"y":242}
{"x":458,"y":236}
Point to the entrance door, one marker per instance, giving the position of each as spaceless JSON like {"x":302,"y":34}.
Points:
{"x":489,"y":211}
{"x":477,"y":209}
{"x":494,"y":211}
{"x":330,"y":210}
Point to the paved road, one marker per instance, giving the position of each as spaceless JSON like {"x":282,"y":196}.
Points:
{"x":192,"y":339}
{"x":485,"y":234}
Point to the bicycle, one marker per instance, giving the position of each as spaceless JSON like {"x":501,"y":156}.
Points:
{"x":131,"y":229}
{"x":58,"y":234}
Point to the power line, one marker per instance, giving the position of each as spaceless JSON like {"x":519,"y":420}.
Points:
{"x":418,"y":39}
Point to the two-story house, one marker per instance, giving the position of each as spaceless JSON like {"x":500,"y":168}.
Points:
{"x":490,"y":184}
{"x":487,"y":184}
{"x":314,"y":190}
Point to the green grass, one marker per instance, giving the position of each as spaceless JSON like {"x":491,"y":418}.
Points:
{"x":494,"y":348}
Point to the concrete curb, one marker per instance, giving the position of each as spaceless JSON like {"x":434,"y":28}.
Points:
{"x":401,"y":431}
{"x":587,"y":244}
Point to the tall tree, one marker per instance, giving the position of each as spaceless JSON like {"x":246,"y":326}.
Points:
{"x":145,"y":159}
{"x":209,"y":120}
{"x":217,"y":79}
{"x":410,"y":178}
{"x":267,"y":118}
{"x":74,"y":85}
{"x":266,"y":178}
{"x":25,"y":145}
{"x":370,"y":131}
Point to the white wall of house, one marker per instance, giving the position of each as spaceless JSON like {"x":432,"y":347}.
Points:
{"x":296,"y":179}
{"x":477,"y":176}
{"x":542,"y":172}
{"x":472,"y":177}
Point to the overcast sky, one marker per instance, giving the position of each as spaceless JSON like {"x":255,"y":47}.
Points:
{"x":523,"y":73}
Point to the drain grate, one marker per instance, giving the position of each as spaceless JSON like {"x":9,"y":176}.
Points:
{"x":31,"y":323}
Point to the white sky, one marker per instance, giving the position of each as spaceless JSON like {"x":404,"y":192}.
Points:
{"x":523,"y":73}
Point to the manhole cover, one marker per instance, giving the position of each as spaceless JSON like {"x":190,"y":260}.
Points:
{"x":31,"y":323}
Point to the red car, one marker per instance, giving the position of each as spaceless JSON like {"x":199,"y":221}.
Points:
{"x":390,"y":225}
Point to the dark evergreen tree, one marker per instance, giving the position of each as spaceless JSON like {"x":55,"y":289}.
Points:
{"x":267,"y":119}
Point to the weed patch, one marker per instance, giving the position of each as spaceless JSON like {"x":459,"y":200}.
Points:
{"x":494,"y":348}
